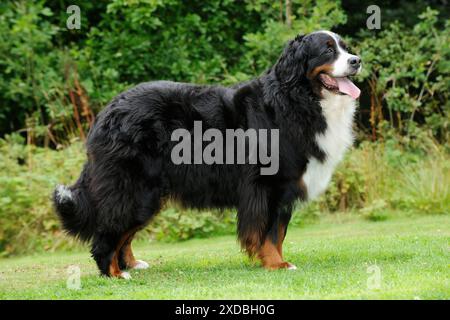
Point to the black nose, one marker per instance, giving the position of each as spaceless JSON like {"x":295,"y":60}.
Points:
{"x":354,"y":61}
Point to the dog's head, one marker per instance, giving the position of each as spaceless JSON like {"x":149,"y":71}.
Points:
{"x":321,"y":58}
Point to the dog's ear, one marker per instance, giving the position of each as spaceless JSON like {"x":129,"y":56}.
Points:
{"x":291,"y":66}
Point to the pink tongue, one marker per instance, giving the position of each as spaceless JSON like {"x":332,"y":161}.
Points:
{"x":347,"y":87}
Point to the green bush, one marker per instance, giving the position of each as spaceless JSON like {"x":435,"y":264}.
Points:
{"x":174,"y":224}
{"x":408,"y":72}
{"x":377,"y":177}
{"x":49,"y":73}
{"x":27,"y":177}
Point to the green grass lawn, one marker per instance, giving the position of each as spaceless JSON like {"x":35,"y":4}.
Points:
{"x":334,"y":259}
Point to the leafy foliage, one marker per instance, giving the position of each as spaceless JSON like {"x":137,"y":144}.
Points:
{"x":408,"y":71}
{"x":54,"y":79}
{"x":28,"y":174}
{"x":174,"y":224}
{"x":375,"y":178}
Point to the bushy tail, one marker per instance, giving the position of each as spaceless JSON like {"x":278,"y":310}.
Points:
{"x":75,"y":209}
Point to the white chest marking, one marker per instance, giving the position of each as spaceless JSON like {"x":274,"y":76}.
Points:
{"x":338,"y":111}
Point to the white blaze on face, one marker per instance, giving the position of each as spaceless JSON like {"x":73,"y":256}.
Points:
{"x":341,"y":67}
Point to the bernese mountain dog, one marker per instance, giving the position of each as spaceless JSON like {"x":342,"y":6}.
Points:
{"x":129,"y":172}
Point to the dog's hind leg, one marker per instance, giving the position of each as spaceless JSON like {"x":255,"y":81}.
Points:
{"x":113,"y":254}
{"x":105,"y":251}
{"x":150,"y":204}
{"x":127,"y":199}
{"x":126,"y":256}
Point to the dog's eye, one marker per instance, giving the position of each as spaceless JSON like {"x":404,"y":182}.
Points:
{"x":330,"y":50}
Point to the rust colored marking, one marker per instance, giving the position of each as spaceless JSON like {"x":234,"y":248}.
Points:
{"x":251,"y":244}
{"x":271,"y":254}
{"x":128,"y":255}
{"x":327,"y":68}
{"x":270,"y":257}
{"x":114,"y":270}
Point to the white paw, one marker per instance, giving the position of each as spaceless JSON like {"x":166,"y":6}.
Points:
{"x":140,"y":265}
{"x":291,"y":267}
{"x":125,"y":275}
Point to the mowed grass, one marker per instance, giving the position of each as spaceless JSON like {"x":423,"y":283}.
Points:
{"x":336,"y":259}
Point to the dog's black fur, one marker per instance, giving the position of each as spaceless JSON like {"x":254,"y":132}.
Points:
{"x":129,"y":172}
